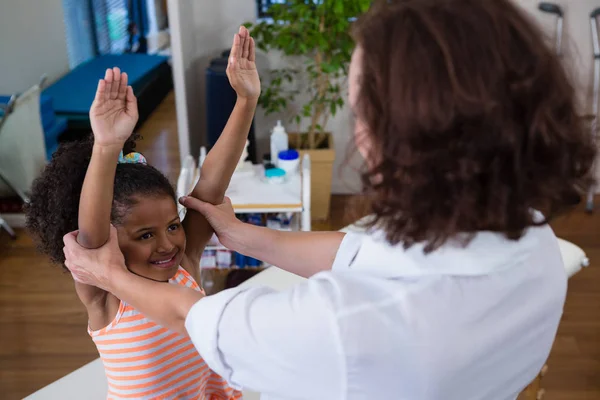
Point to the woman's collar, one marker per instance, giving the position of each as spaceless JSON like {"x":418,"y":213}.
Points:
{"x":486,"y":253}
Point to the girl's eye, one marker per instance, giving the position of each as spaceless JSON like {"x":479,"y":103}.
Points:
{"x":146,"y":236}
{"x":173,"y":227}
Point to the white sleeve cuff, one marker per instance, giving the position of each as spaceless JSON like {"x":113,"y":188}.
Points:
{"x":202,"y":325}
{"x":347,"y":251}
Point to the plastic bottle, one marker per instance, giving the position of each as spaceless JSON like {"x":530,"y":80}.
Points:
{"x":279,"y":141}
{"x":273,"y":222}
{"x":240,"y":260}
{"x":208,"y":259}
{"x":289,"y":160}
{"x":223,"y":258}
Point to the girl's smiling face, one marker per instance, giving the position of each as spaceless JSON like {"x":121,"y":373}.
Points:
{"x":151,"y":238}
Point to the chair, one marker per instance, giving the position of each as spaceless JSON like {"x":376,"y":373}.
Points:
{"x":22,"y":146}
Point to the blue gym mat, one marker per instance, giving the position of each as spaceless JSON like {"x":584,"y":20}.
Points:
{"x":74,"y":93}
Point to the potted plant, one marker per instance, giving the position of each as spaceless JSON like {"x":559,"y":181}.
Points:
{"x":316,"y":34}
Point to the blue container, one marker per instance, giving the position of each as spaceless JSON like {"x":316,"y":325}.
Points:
{"x":253,"y":262}
{"x":240,"y":260}
{"x":289,"y":155}
{"x":254,"y":219}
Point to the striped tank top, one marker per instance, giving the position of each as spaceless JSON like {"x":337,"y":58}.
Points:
{"x":143,"y":360}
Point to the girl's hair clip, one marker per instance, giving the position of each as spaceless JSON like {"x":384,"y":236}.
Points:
{"x":132,"y":158}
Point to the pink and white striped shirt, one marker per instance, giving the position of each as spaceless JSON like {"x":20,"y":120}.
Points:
{"x":144,"y":360}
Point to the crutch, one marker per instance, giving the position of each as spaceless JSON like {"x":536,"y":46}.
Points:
{"x":589,"y":207}
{"x":555,"y":9}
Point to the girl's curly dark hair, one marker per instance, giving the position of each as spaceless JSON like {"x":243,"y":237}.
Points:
{"x":471,"y":117}
{"x":54,"y":205}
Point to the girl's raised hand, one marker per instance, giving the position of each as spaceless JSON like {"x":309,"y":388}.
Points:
{"x":241,"y":69}
{"x":114,"y":111}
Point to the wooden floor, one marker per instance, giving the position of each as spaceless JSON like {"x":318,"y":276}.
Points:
{"x":43,"y":326}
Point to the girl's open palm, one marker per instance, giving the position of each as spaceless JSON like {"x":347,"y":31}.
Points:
{"x":241,"y":70}
{"x":114,"y":111}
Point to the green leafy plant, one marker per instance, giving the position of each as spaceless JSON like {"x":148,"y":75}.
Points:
{"x":318,"y":31}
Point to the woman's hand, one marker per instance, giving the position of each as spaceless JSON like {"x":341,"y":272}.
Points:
{"x":221,"y":218}
{"x":241,"y":69}
{"x":114,"y":111}
{"x":94,"y":267}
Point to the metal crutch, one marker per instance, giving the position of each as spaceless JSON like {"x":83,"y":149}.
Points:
{"x":552,"y":8}
{"x":4,"y":225}
{"x":589,"y":207}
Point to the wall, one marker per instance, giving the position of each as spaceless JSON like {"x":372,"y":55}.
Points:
{"x":32,"y":43}
{"x":577,"y":40}
{"x":200,"y":31}
{"x":577,"y":44}
{"x":208,"y":29}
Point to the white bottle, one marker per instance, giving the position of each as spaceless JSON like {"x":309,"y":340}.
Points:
{"x":279,"y":142}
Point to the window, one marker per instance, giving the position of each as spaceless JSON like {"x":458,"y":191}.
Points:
{"x":80,"y":31}
{"x":95,"y":27}
{"x":263,"y":6}
{"x":111,"y":20}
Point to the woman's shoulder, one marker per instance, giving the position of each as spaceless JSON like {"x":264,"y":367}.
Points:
{"x":479,"y":254}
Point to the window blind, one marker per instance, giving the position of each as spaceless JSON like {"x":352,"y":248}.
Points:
{"x":111,"y":18}
{"x":79,"y":31}
{"x":263,"y":6}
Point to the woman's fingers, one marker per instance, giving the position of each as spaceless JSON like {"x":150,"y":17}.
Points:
{"x":69,"y":240}
{"x":76,"y":278}
{"x":209,"y":211}
{"x":113,"y":234}
{"x":195,"y":204}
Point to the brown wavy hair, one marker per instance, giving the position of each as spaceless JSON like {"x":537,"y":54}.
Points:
{"x":471,"y":118}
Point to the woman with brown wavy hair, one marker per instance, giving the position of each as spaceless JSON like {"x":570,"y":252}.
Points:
{"x":468,"y":125}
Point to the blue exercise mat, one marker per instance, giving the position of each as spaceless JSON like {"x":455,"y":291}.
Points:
{"x":74,"y":93}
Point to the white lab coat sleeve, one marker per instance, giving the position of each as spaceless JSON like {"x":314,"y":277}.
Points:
{"x":282,"y":344}
{"x":347,"y":251}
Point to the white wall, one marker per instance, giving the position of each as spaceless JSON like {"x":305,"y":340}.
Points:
{"x":207,"y":28}
{"x":200,"y":31}
{"x":577,"y":40}
{"x":32,"y":43}
{"x":577,"y":43}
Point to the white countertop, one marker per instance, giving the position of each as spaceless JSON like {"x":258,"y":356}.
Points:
{"x":249,"y":191}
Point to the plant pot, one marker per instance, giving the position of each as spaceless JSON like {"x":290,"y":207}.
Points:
{"x":321,"y":160}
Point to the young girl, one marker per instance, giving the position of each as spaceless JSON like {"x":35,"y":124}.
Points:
{"x":90,"y":184}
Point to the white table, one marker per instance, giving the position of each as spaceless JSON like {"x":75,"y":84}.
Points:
{"x":251,"y":193}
